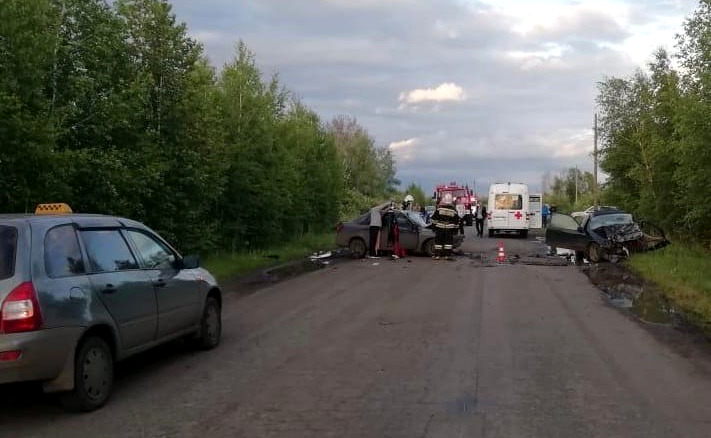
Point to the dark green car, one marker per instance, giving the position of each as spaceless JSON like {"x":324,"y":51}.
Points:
{"x":79,"y":292}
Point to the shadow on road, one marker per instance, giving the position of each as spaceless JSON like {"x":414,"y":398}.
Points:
{"x":18,"y":400}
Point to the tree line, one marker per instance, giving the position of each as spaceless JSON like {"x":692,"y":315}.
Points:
{"x":113,"y":108}
{"x":570,"y":190}
{"x":655,"y":129}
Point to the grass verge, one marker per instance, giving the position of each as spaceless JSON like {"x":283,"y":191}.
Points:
{"x":227,"y":266}
{"x":683,"y":273}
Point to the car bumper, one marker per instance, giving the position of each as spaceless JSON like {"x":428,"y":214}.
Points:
{"x":43,"y":353}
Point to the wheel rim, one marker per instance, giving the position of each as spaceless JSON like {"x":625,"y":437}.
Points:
{"x":212,"y":324}
{"x":96,"y":373}
{"x":357,"y":248}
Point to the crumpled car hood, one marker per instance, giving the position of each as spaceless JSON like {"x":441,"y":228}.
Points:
{"x":621,"y":233}
{"x":626,"y":238}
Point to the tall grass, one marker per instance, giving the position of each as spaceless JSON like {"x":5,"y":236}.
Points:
{"x":230,"y":265}
{"x":683,"y":271}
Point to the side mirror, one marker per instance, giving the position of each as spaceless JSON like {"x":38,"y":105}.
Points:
{"x":189,"y":262}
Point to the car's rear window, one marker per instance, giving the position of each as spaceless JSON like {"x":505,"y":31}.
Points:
{"x":8,"y":251}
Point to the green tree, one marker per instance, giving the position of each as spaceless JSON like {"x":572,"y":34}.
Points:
{"x":368,"y":171}
{"x":694,"y":125}
{"x":28,"y":34}
{"x":259,"y":166}
{"x":416,"y":191}
{"x":113,"y":108}
{"x":568,"y":187}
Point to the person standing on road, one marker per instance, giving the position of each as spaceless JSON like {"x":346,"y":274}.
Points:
{"x":398,"y":251}
{"x":376,"y":222}
{"x":446,"y":222}
{"x":479,"y":217}
{"x":545,"y":213}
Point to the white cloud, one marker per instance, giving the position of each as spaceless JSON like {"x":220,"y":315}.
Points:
{"x":446,"y":92}
{"x":556,"y":16}
{"x":402,"y":144}
{"x":404,"y":149}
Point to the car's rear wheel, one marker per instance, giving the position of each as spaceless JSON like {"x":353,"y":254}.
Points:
{"x":595,"y":252}
{"x":93,"y":376}
{"x":210,"y":325}
{"x":357,"y":248}
{"x":524,"y":234}
{"x":428,"y":248}
{"x":491,"y":233}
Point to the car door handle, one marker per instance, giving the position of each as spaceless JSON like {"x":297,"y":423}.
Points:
{"x":109,"y":289}
{"x":160,"y":283}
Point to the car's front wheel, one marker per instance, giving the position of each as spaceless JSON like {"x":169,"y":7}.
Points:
{"x":595,"y":252}
{"x":210,"y":325}
{"x":93,"y":376}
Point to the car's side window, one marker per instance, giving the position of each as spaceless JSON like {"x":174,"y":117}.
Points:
{"x":108,"y":251}
{"x":563,"y":222}
{"x":155,"y":255}
{"x":403,"y":222}
{"x":62,"y":255}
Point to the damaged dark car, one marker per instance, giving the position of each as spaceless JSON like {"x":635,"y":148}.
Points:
{"x":605,"y":234}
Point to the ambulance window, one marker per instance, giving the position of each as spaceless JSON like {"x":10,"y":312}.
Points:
{"x":508,"y":202}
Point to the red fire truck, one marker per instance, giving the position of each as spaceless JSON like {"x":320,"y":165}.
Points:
{"x":462,"y":197}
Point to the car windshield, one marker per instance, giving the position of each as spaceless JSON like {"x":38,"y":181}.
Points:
{"x":416,"y":218}
{"x":605,"y":220}
{"x":8,"y":250}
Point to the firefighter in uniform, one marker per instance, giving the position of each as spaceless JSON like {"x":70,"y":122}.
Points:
{"x":446,"y":223}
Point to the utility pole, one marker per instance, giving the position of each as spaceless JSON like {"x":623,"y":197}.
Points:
{"x":576,"y":185}
{"x":595,"y":161}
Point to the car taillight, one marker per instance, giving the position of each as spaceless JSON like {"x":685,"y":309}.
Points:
{"x":8,"y":356}
{"x":20,"y":310}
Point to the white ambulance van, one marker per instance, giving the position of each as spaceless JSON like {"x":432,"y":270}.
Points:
{"x":508,"y":209}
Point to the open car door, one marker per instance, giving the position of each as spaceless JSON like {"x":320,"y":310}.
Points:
{"x":565,"y":232}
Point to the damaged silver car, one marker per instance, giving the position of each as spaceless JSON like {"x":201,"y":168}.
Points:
{"x":605,"y":234}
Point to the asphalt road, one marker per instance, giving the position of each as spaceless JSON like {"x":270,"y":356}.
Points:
{"x":408,"y":348}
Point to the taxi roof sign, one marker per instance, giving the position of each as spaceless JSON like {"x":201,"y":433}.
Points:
{"x":56,"y":208}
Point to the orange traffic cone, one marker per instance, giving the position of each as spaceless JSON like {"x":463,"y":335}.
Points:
{"x":502,"y":255}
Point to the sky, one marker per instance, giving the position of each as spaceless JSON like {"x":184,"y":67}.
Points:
{"x":473,"y":91}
